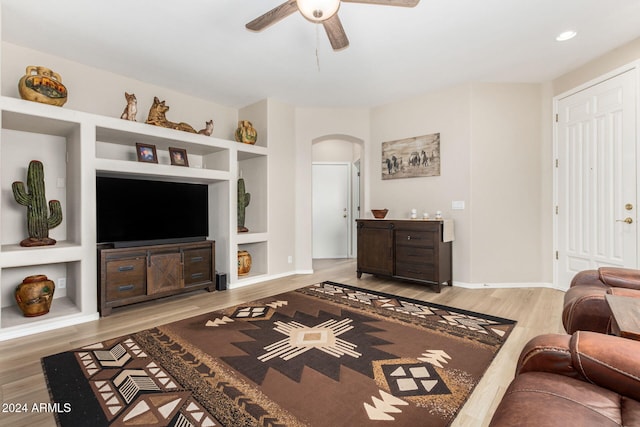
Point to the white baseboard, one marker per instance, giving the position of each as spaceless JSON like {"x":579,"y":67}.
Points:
{"x":503,"y":285}
{"x":266,"y":277}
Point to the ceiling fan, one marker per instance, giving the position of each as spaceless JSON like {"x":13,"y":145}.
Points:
{"x":319,"y":11}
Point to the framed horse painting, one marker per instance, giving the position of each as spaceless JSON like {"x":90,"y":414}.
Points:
{"x":411,"y":157}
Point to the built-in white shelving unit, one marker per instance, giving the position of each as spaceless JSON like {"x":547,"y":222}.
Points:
{"x":75,"y":147}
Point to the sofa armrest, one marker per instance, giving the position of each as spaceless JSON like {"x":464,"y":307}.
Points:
{"x":548,"y":353}
{"x":620,"y":277}
{"x":607,"y":361}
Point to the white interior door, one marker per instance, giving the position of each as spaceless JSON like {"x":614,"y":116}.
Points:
{"x":596,"y":178}
{"x":331,"y":210}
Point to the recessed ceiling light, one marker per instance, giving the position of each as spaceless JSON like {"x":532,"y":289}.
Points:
{"x":567,"y":35}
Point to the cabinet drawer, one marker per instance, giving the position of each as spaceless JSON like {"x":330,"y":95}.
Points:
{"x":415,"y":254}
{"x":416,"y":238}
{"x":125,"y":278}
{"x":197,"y":266}
{"x":424,"y":271}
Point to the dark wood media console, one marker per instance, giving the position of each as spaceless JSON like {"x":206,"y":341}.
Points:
{"x":412,"y":250}
{"x":131,"y":275}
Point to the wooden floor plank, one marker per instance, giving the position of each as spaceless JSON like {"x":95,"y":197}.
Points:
{"x":537,"y":311}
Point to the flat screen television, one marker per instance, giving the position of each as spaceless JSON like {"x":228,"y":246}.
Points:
{"x":133,"y":212}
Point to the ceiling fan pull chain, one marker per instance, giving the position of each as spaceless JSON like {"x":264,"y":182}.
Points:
{"x":317,"y":45}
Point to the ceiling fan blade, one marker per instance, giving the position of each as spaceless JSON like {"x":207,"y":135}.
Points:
{"x":403,"y":3}
{"x":274,"y":15}
{"x":335,"y":32}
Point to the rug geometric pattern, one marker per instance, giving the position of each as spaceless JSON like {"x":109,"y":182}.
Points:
{"x":324,"y":355}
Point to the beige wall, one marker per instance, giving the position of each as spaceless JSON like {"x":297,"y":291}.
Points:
{"x":447,"y":112}
{"x":506,"y":225}
{"x":282,"y":187}
{"x":491,"y":143}
{"x":334,"y":150}
{"x":96,"y":91}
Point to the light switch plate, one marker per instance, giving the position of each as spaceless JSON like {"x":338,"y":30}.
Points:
{"x":457,"y":205}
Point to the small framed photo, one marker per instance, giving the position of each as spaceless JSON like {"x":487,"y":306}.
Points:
{"x":146,"y":153}
{"x":178,"y":156}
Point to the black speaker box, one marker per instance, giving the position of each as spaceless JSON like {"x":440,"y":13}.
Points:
{"x":221,"y":282}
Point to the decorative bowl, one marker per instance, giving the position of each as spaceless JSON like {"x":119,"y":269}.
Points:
{"x":379,"y":213}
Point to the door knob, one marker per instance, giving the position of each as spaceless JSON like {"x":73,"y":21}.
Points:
{"x":628,"y":220}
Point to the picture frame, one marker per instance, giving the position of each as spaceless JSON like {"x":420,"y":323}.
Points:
{"x":178,"y":156}
{"x":414,"y":157}
{"x":146,"y":153}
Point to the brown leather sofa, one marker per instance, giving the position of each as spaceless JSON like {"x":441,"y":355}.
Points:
{"x":585,"y":308}
{"x":585,"y":379}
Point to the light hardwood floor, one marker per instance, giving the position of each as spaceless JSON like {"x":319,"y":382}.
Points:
{"x":537,"y":311}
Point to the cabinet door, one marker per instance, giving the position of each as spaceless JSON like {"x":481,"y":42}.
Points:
{"x":375,"y":247}
{"x":164,"y":273}
{"x":197,"y":266}
{"x":125,"y":278}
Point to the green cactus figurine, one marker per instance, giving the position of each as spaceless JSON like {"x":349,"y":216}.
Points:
{"x":39,"y":222}
{"x":243,"y":201}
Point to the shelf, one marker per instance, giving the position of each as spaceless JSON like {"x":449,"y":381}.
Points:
{"x":128,"y":133}
{"x":129,"y":169}
{"x":18,"y":256}
{"x":60,"y":307}
{"x":245,"y":238}
{"x":248,"y":151}
{"x":63,"y":313}
{"x":27,"y":116}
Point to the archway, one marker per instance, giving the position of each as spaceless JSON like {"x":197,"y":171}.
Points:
{"x":337,"y":193}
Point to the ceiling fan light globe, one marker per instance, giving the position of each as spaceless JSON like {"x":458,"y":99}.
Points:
{"x":318,"y":10}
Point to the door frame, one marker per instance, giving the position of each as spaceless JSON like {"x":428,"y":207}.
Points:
{"x":632,"y":66}
{"x":350,"y":220}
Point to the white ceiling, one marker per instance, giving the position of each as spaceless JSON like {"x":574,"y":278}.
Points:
{"x":202,"y":48}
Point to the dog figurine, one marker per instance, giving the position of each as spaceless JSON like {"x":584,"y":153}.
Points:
{"x":157,"y":117}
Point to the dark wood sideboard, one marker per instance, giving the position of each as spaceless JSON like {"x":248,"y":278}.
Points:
{"x":131,"y":275}
{"x":412,"y":250}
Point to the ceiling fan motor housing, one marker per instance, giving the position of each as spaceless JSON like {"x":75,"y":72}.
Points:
{"x":318,"y":10}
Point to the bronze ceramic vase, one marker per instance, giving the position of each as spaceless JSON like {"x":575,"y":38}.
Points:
{"x":34,"y":295}
{"x":244,"y":263}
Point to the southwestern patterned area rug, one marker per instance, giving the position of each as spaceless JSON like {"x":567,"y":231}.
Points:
{"x":324,"y":355}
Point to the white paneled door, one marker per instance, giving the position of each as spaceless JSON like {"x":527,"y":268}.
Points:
{"x":596,"y":178}
{"x":331,"y":210}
